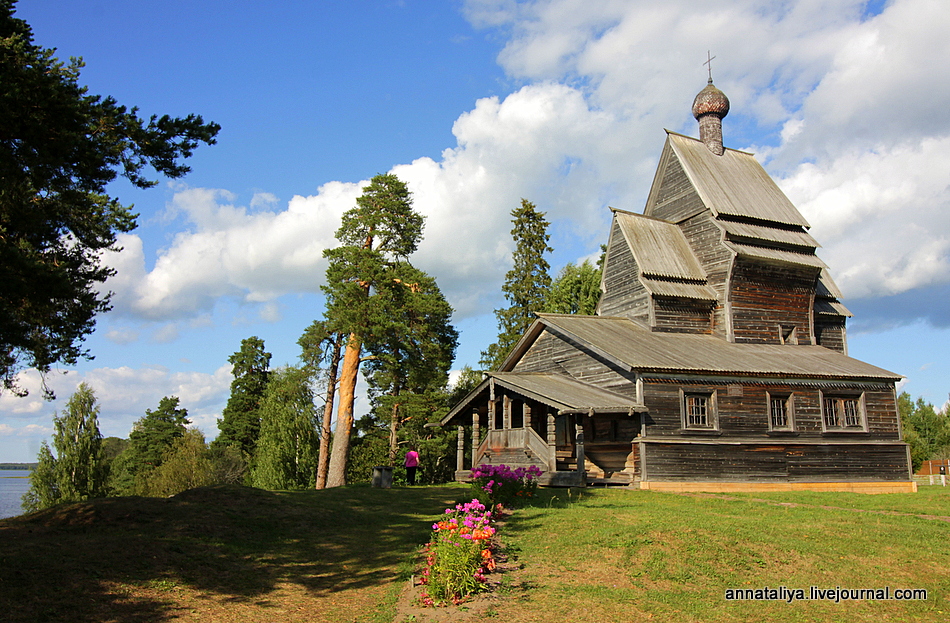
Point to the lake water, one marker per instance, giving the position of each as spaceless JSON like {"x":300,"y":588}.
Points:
{"x":13,"y":484}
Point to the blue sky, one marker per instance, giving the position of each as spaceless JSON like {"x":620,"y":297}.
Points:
{"x":476,"y":104}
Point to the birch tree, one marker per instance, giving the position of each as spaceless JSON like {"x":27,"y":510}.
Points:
{"x":77,"y":471}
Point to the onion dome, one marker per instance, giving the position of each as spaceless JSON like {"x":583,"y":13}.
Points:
{"x":710,"y":101}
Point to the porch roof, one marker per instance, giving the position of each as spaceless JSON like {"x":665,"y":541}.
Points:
{"x":563,"y":393}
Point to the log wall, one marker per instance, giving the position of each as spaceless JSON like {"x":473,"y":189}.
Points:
{"x":765,"y":297}
{"x":776,"y":462}
{"x":623,"y":293}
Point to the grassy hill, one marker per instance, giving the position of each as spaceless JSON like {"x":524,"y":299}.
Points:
{"x":239,"y":554}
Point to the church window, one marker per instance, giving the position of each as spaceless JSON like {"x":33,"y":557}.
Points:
{"x":699,"y":410}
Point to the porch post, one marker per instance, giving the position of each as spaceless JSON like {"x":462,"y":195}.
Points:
{"x":552,"y":442}
{"x":526,"y":414}
{"x":581,"y":465}
{"x":491,"y":414}
{"x":506,"y":413}
{"x":460,"y":451}
{"x":476,"y":436}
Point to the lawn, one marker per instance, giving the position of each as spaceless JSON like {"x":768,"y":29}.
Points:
{"x":238,"y":554}
{"x":615,"y":555}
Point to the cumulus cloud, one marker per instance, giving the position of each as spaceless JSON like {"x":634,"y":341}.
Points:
{"x":229,"y":250}
{"x":846,"y":103}
{"x":123,"y":394}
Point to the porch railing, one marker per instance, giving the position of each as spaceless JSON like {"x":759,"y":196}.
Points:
{"x":526,"y":438}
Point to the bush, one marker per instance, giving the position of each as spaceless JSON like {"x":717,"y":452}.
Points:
{"x":499,"y":484}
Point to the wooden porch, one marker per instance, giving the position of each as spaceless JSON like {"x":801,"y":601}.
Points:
{"x":575,"y":433}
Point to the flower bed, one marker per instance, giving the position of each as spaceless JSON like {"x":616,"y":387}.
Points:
{"x":459,"y":555}
{"x":499,"y":484}
{"x":462,"y":548}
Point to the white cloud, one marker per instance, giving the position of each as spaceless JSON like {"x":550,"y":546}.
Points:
{"x":229,"y":251}
{"x":850,"y":106}
{"x":123,"y":395}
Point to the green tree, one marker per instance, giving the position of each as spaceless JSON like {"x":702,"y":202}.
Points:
{"x":412,"y":354}
{"x":925,"y":431}
{"x":576,"y":290}
{"x":240,"y":423}
{"x":151,"y":438}
{"x":59,"y":149}
{"x":186,"y":464}
{"x":77,"y":472}
{"x":320,"y":345}
{"x":375,"y":236}
{"x":287,"y":449}
{"x":526,"y":284}
{"x":153,"y":435}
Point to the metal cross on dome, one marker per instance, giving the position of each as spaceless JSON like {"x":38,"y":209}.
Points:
{"x":708,"y":64}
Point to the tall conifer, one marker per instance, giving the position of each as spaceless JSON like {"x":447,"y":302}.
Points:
{"x":375,"y":236}
{"x":241,"y":419}
{"x":526,"y":284}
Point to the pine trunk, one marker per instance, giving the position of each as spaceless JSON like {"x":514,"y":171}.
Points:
{"x":336,"y":475}
{"x":323,"y":462}
{"x":393,"y":437}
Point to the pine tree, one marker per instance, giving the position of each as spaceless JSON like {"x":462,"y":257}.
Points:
{"x":241,"y":420}
{"x":77,"y":472}
{"x":526,"y":284}
{"x":151,"y":438}
{"x":153,"y":435}
{"x":380,"y":231}
{"x":413,"y":353}
{"x":60,"y":149}
{"x":287,"y":449}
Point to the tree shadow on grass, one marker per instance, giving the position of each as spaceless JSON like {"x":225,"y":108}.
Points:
{"x":119,"y":559}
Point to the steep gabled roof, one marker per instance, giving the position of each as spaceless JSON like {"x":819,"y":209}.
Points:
{"x":631,"y":346}
{"x":666,"y":263}
{"x":734,"y":184}
{"x":659,"y":247}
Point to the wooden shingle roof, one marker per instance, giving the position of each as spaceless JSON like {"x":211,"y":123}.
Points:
{"x":634,"y":347}
{"x":659,"y":247}
{"x":559,"y":391}
{"x":734,"y":184}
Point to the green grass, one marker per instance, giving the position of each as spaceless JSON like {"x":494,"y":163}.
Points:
{"x":222,"y":553}
{"x":238,"y":554}
{"x":632,"y":555}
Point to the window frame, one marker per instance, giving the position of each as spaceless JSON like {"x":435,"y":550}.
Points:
{"x":842,"y":400}
{"x":788,"y":403}
{"x":711,"y":406}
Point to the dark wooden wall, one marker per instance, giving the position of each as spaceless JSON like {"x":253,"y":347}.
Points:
{"x":830,"y":333}
{"x":743,"y":409}
{"x":623,"y":293}
{"x":777,"y":462}
{"x":767,"y":296}
{"x":682,"y":316}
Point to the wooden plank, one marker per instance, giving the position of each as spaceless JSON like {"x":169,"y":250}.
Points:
{"x":764,"y":487}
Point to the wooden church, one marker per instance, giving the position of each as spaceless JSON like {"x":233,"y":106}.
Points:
{"x":717,"y":360}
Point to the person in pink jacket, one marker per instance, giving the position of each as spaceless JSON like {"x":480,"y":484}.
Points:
{"x":412,"y":464}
